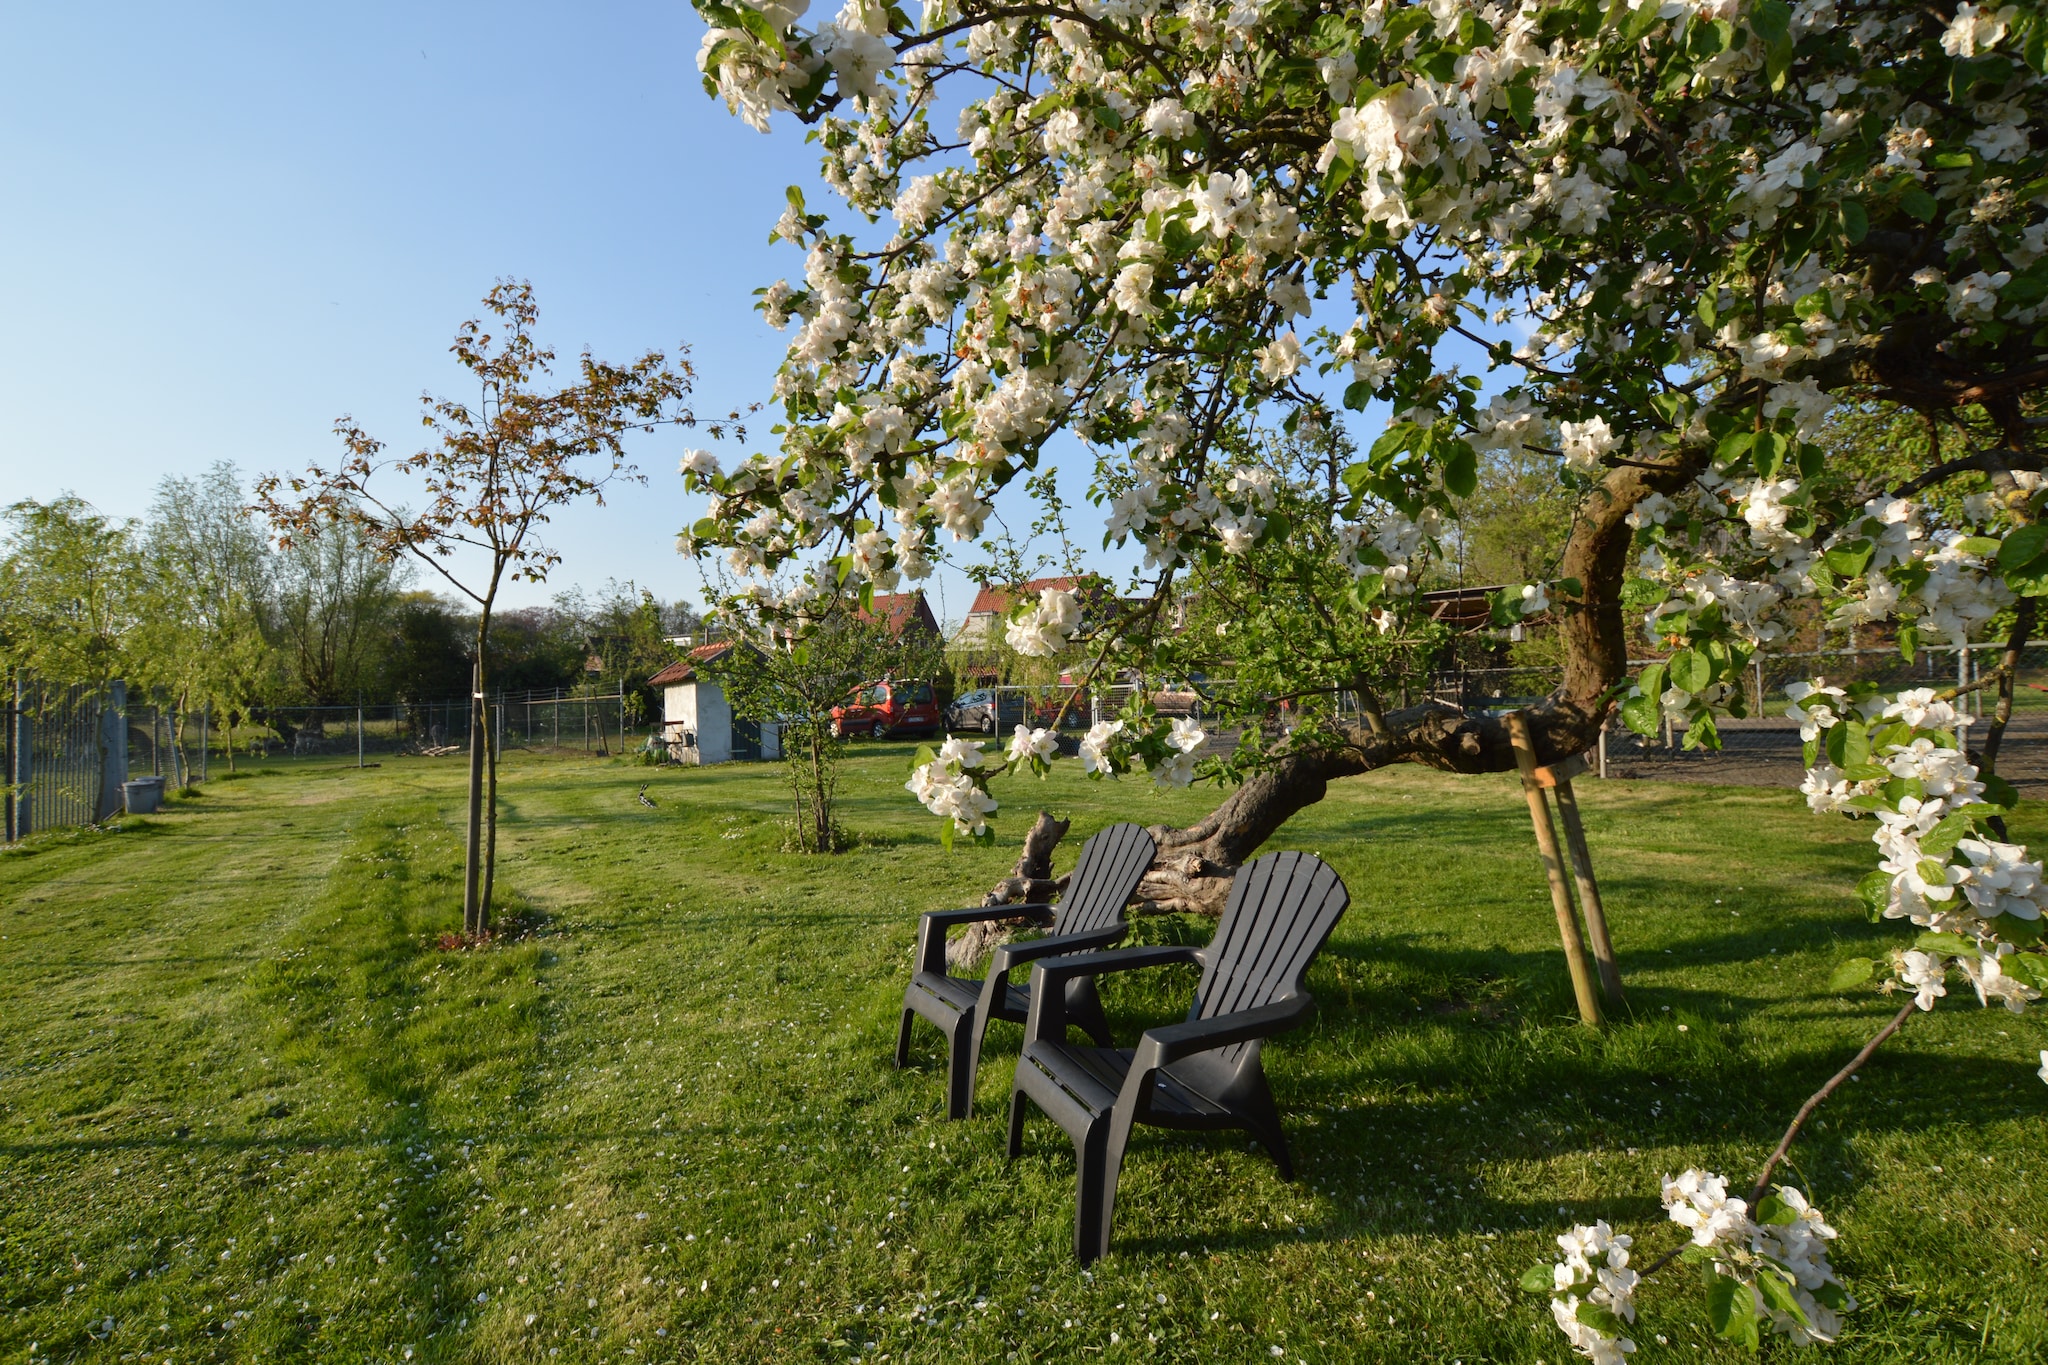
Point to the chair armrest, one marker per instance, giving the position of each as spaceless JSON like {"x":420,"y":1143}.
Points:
{"x":1172,"y":1042}
{"x":1047,"y":1020}
{"x":933,"y":924}
{"x":1012,"y":955}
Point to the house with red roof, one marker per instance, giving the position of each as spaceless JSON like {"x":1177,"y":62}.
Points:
{"x":991,"y":607}
{"x":902,"y":611}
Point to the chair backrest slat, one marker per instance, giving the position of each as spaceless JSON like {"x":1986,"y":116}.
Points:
{"x":1111,"y":863}
{"x":1281,"y":910}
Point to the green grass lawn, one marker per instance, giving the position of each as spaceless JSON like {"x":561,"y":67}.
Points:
{"x":249,"y":1110}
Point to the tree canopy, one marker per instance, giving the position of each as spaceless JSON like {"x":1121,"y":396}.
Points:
{"x":1677,"y":237}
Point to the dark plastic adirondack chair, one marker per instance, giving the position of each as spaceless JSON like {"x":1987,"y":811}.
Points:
{"x":1090,"y":915}
{"x":1204,"y":1073}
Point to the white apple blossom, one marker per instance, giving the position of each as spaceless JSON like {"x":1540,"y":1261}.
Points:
{"x":1027,"y":744}
{"x":1585,"y":442}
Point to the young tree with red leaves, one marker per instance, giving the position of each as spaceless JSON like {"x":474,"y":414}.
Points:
{"x":503,"y":463}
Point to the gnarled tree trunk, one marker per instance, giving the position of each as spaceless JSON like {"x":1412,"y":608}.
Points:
{"x":1193,"y":868}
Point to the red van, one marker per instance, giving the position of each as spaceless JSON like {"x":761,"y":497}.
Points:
{"x":885,"y":708}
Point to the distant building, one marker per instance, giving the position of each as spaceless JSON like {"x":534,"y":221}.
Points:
{"x":901,"y":612}
{"x":697,"y":723}
{"x":991,"y":607}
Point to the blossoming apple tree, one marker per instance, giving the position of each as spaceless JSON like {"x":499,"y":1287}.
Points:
{"x":1675,"y":234}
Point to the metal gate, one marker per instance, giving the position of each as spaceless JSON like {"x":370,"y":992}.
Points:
{"x":66,"y":756}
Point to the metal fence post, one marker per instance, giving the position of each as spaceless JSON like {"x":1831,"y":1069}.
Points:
{"x":113,"y":731}
{"x":21,"y":746}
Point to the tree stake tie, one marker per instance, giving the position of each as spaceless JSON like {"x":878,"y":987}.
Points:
{"x":1557,"y":779}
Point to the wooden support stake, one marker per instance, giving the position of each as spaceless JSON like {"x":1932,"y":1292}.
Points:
{"x":1553,"y":867}
{"x":1589,"y":895}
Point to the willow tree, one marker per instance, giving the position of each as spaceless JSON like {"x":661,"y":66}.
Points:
{"x":506,"y":459}
{"x":1713,"y":221}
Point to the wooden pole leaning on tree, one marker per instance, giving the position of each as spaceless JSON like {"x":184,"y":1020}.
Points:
{"x":1589,"y":893}
{"x":1553,"y":867}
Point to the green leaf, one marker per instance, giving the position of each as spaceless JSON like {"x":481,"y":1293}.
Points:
{"x":1909,"y":641}
{"x":1339,"y":172}
{"x":1776,"y":1287}
{"x":1854,"y":972}
{"x":1851,"y":558}
{"x":1919,"y":203}
{"x":1773,"y":1209}
{"x":1730,"y":1309}
{"x":1703,"y":733}
{"x":1948,"y":945}
{"x":1602,"y":1320}
{"x":1652,"y":681}
{"x":1848,"y":744}
{"x":1691,"y":670}
{"x":1708,"y":296}
{"x":1998,"y":791}
{"x":1108,"y":118}
{"x":1940,"y":841}
{"x":1768,"y":451}
{"x":1522,"y":105}
{"x":1640,"y":714}
{"x":1875,"y":892}
{"x":2023,"y":546}
{"x":2023,"y":934}
{"x":1771,"y":21}
{"x":1537,"y":1279}
{"x":1855,"y":221}
{"x":2029,"y":969}
{"x":946,"y":834}
{"x":1461,"y":472}
{"x":1733,"y":446}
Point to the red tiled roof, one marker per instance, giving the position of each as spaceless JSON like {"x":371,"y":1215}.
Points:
{"x":899,"y":611}
{"x":994,"y":601}
{"x":684,"y":669}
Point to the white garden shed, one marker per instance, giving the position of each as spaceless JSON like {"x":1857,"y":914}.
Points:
{"x":697,"y":723}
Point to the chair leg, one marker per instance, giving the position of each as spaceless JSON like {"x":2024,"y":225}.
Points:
{"x":1017,"y":1103}
{"x":1262,"y":1120}
{"x":1094,"y":1194}
{"x":1084,"y":1007}
{"x":977,"y":1036}
{"x":963,"y":1045}
{"x":903,"y":1038}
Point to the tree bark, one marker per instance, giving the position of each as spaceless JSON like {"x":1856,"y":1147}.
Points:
{"x":1192,"y":871}
{"x":472,"y":840}
{"x":1030,"y":881}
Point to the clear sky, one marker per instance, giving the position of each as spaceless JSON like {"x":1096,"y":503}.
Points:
{"x":226,"y":225}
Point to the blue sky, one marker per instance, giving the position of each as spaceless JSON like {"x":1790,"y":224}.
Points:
{"x":228,"y":225}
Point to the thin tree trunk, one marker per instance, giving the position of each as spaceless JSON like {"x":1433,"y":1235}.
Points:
{"x":181,"y":766}
{"x":821,"y":805}
{"x":229,"y":712}
{"x":490,"y":812}
{"x":472,"y":843}
{"x":2015,"y":643}
{"x":482,"y":834}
